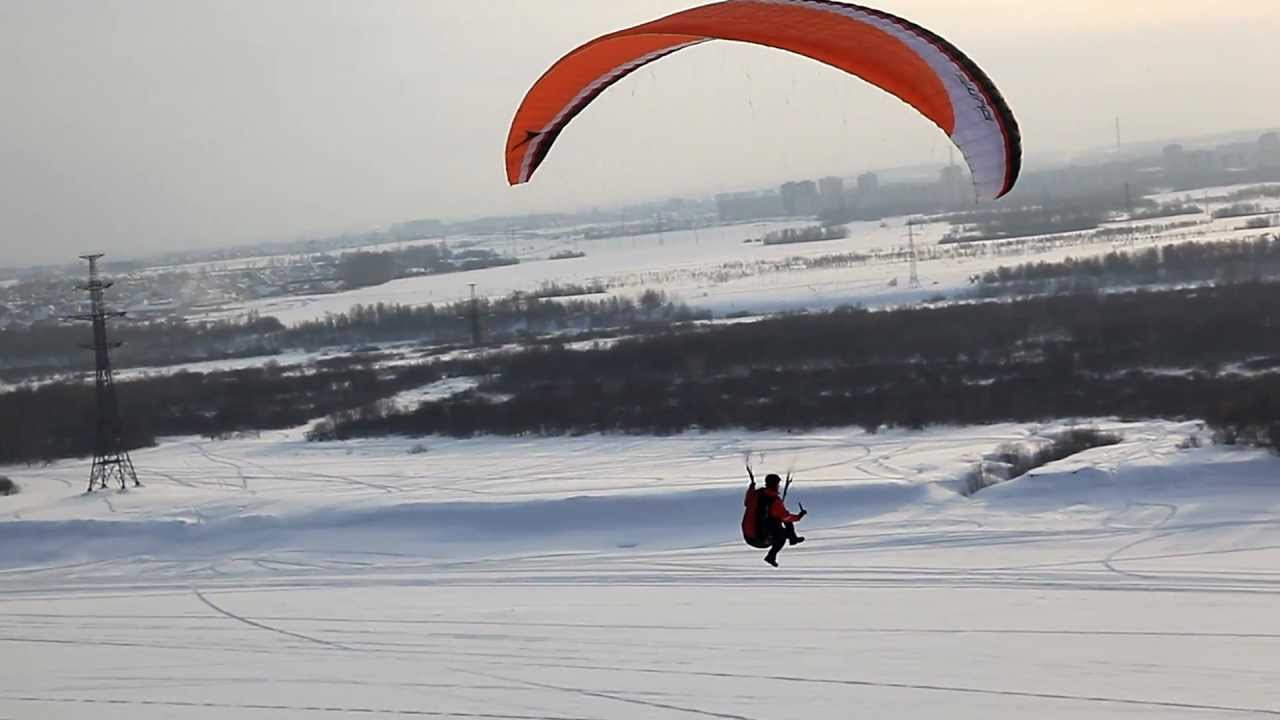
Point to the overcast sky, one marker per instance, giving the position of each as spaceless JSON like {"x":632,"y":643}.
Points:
{"x":136,"y":126}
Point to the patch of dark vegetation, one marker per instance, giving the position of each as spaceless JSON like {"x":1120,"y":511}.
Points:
{"x":556,"y":290}
{"x":57,"y":420}
{"x":8,"y":486}
{"x":364,"y":268}
{"x":1164,"y":210}
{"x":1001,"y":224}
{"x":1223,"y":263}
{"x":1132,"y":355}
{"x":816,"y":233}
{"x":41,"y":350}
{"x":502,"y":320}
{"x":1034,"y":360}
{"x":1248,"y":434}
{"x":1239,"y":210}
{"x":1251,"y":193}
{"x":1013,"y":460}
{"x":49,"y":348}
{"x":1248,"y":421}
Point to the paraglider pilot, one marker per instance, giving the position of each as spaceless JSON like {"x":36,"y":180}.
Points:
{"x":767,"y":522}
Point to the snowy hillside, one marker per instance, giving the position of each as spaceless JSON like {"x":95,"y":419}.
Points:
{"x":602,"y":577}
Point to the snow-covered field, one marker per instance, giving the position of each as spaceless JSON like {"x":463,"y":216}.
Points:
{"x":1211,"y":196}
{"x":715,"y":269}
{"x":603,"y":577}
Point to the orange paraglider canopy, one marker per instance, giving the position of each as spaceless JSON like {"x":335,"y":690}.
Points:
{"x":893,"y":54}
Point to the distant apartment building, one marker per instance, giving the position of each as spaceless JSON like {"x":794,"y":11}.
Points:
{"x":1173,"y":158}
{"x":417,"y":229}
{"x":868,"y":184}
{"x":954,"y":188}
{"x":800,"y":198}
{"x":1269,"y":150}
{"x":831,"y":193}
{"x":737,"y":207}
{"x":1235,"y":157}
{"x":1178,"y":160}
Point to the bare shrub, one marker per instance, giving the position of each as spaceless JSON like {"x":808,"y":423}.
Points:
{"x":1013,"y":460}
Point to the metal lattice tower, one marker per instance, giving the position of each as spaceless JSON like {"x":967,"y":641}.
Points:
{"x":111,"y":461}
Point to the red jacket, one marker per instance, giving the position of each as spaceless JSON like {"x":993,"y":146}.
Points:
{"x":777,"y":507}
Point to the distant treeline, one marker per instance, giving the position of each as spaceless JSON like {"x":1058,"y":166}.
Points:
{"x":363,"y":268}
{"x":50,"y":348}
{"x":1165,"y":210}
{"x":558,"y":290}
{"x":1045,"y":358}
{"x":1240,"y":210}
{"x":57,"y":420}
{"x":816,"y":233}
{"x":1196,"y":262}
{"x":45,"y":348}
{"x":1250,"y":193}
{"x":1006,"y":224}
{"x":501,"y":319}
{"x":1086,"y":209}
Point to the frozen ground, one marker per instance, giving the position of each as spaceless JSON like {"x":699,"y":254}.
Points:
{"x":602,"y":577}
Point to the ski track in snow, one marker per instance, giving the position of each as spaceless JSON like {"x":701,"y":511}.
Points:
{"x":600,"y":577}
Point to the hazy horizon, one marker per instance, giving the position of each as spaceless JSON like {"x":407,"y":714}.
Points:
{"x":147,"y":126}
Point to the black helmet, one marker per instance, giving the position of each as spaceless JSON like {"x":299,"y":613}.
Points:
{"x":772,"y":480}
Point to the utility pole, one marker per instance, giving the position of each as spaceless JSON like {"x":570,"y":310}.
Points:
{"x":1128,"y":201}
{"x":522,"y":303}
{"x":475,"y":317}
{"x":914,"y":282}
{"x":111,"y":461}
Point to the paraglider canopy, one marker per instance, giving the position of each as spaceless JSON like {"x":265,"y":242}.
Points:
{"x":898,"y":56}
